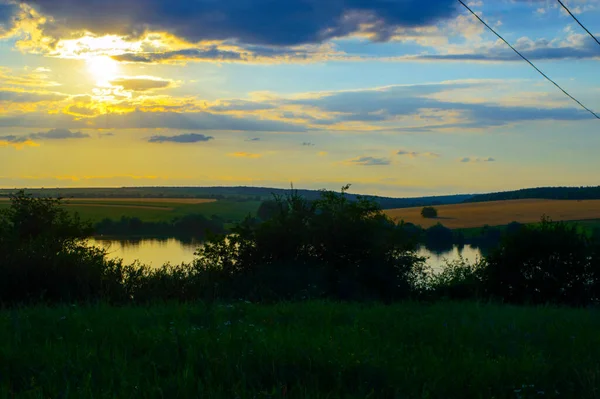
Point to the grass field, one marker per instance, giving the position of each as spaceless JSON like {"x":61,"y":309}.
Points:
{"x":500,"y":213}
{"x":305,"y":350}
{"x":156,"y":209}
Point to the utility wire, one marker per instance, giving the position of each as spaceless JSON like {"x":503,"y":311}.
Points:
{"x":580,"y":24}
{"x":529,"y":62}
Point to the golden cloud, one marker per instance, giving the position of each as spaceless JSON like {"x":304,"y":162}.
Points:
{"x":18,"y":145}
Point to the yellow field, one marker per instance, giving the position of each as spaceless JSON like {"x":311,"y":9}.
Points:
{"x":140,"y":200}
{"x":499,"y":213}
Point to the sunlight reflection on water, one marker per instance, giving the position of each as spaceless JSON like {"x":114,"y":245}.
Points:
{"x":155,"y":252}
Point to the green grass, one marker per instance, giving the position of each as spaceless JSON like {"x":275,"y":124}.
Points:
{"x":228,"y":210}
{"x":306,"y":350}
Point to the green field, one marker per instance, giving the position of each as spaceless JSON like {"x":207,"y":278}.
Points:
{"x":161,"y":210}
{"x":304,"y":350}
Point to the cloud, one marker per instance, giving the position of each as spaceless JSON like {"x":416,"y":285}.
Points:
{"x":383,"y":107}
{"x":190,"y":121}
{"x":245,"y":155}
{"x":253,"y":139}
{"x":182,"y":138}
{"x":17,"y":142}
{"x":265,"y":22}
{"x":240,"y":53}
{"x":141,"y":83}
{"x":415,"y":154}
{"x":59,"y":134}
{"x":54,"y":134}
{"x":476,"y":160}
{"x":8,"y":12}
{"x":308,"y":144}
{"x":369,"y":161}
{"x":28,"y":97}
{"x":576,"y":46}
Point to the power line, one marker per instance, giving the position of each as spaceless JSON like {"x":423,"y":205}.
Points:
{"x":580,"y":24}
{"x":529,"y":62}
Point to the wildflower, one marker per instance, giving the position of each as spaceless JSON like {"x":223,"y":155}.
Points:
{"x":227,"y":323}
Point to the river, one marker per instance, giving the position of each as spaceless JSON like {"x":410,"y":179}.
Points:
{"x":154,"y":252}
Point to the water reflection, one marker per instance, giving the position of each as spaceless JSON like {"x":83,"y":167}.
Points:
{"x":156,"y":252}
{"x":152,"y":252}
{"x":438,"y":258}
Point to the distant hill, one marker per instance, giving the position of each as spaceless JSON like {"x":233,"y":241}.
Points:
{"x":240,"y":193}
{"x":558,"y":193}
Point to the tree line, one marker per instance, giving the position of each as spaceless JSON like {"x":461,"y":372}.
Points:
{"x":557,"y":193}
{"x":332,"y":248}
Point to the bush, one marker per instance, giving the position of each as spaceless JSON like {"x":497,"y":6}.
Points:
{"x":43,"y":254}
{"x":351,"y":249}
{"x":429,"y":212}
{"x":459,"y":280}
{"x":547,"y":263}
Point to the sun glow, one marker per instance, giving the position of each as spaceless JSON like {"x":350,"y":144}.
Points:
{"x":103,"y":69}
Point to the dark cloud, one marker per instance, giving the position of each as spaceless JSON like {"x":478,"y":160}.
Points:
{"x":408,"y":153}
{"x":13,"y":139}
{"x":141,"y":84}
{"x":54,"y":134}
{"x":240,"y":105}
{"x":7,"y":13}
{"x":308,"y":144}
{"x":253,"y":139}
{"x":476,"y":160}
{"x":28,"y":97}
{"x":280,"y":22}
{"x":540,"y":50}
{"x":181,"y":138}
{"x":369,"y":161}
{"x":190,"y":121}
{"x":58,"y":134}
{"x":210,"y":54}
{"x":242,"y":53}
{"x":391,"y":102}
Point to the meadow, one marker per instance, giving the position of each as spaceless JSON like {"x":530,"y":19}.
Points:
{"x":499,"y":213}
{"x":155,"y":209}
{"x":303,"y":350}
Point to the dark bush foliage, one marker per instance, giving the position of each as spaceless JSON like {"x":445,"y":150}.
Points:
{"x":552,"y":262}
{"x":352,"y":250}
{"x":429,"y":212}
{"x":43,"y":256}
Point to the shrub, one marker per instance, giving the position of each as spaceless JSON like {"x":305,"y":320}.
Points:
{"x":350,"y":248}
{"x":429,"y":212}
{"x":43,"y":254}
{"x":459,"y":280}
{"x":547,"y":263}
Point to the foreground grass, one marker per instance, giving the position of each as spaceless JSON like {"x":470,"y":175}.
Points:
{"x":310,"y":350}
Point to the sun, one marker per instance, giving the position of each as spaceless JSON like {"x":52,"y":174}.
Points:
{"x":103,"y":69}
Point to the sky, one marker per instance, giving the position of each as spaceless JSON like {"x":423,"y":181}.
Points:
{"x":396,"y":97}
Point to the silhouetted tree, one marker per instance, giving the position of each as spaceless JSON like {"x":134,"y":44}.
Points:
{"x":429,"y":212}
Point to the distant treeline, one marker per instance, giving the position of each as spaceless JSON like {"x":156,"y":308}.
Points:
{"x":558,"y":193}
{"x":189,"y":226}
{"x":227,"y":193}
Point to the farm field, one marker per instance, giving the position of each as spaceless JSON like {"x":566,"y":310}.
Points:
{"x":500,"y":213}
{"x":302,"y":350}
{"x":155,"y":209}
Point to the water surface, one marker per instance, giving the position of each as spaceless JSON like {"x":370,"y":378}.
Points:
{"x":155,"y":252}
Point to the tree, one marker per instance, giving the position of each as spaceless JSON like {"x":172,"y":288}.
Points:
{"x":429,"y":212}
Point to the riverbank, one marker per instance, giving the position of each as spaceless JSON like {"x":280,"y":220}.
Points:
{"x":302,"y":350}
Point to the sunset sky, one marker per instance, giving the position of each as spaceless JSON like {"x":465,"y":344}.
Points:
{"x":397,"y":97}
